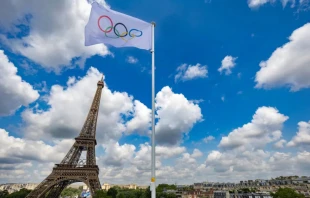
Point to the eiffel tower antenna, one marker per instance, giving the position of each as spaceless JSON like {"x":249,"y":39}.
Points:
{"x":72,"y":169}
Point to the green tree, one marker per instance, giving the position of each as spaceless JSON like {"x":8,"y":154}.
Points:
{"x":286,"y":193}
{"x":71,"y":192}
{"x":139,"y":193}
{"x":147,"y":193}
{"x":245,"y":190}
{"x":171,"y":195}
{"x":162,"y":187}
{"x":22,"y":193}
{"x":101,"y":194}
{"x":3,"y":194}
{"x":112,"y":192}
{"x":120,"y":195}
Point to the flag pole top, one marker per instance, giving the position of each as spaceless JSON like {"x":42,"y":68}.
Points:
{"x":153,"y":23}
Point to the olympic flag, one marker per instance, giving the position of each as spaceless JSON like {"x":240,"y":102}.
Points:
{"x":117,"y":29}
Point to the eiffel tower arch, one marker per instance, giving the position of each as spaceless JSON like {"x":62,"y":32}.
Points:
{"x":72,"y":169}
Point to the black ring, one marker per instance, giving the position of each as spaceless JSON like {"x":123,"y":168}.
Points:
{"x":123,"y":26}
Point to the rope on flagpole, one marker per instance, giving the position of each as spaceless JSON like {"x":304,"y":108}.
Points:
{"x":153,"y":180}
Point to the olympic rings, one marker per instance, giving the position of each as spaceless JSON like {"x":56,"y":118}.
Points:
{"x":117,"y":33}
{"x":134,"y":34}
{"x":131,"y":33}
{"x":105,"y":31}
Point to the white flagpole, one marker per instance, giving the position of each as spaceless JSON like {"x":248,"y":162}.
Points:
{"x":153,"y":185}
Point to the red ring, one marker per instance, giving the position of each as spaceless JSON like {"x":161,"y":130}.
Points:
{"x":109,"y":20}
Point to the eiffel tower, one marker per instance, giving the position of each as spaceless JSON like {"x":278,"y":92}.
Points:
{"x":72,"y":169}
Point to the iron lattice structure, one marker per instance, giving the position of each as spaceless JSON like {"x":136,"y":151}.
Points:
{"x":71,"y":170}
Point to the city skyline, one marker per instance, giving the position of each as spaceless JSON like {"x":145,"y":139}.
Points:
{"x":232,"y":91}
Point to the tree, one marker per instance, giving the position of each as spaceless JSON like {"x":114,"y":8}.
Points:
{"x":147,"y":193}
{"x":121,"y":195}
{"x":162,"y":187}
{"x":139,"y":193}
{"x":71,"y":192}
{"x":4,"y":194}
{"x":101,"y":194}
{"x":112,"y":192}
{"x":286,"y":193}
{"x":22,"y":193}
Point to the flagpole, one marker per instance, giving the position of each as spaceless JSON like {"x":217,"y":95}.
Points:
{"x":153,"y":185}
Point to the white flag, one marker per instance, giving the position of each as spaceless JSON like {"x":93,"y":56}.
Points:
{"x":117,"y":29}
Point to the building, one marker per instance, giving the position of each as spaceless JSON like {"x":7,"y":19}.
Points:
{"x":221,"y":194}
{"x":251,"y":195}
{"x":106,"y":187}
{"x":16,"y":187}
{"x":197,"y":194}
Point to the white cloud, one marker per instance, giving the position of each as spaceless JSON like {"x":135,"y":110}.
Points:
{"x":68,"y":107}
{"x":132,"y":60}
{"x":228,"y":63}
{"x":302,"y":137}
{"x":52,"y":43}
{"x":241,"y":153}
{"x":259,"y":3}
{"x":196,"y":153}
{"x":13,"y":90}
{"x":208,"y":139}
{"x":117,"y":155}
{"x":176,"y":116}
{"x":17,"y":150}
{"x":161,"y":151}
{"x":141,"y":119}
{"x":187,"y":72}
{"x":280,"y":143}
{"x":223,"y":98}
{"x":118,"y":113}
{"x":288,"y":65}
{"x":264,"y":128}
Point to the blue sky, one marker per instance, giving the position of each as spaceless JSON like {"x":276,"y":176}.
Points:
{"x":265,"y":45}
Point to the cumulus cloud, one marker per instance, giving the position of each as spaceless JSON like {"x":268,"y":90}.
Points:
{"x":53,"y":46}
{"x":196,"y":153}
{"x":118,"y":155}
{"x":259,"y":3}
{"x":119,"y":113}
{"x":208,"y":139}
{"x":176,"y":116}
{"x":141,"y":119}
{"x":68,"y":107}
{"x":13,"y":90}
{"x":242,"y":153}
{"x":288,"y":65}
{"x":302,"y":137}
{"x":264,"y":128}
{"x":17,"y":150}
{"x":187,"y":72}
{"x":228,"y":63}
{"x":280,"y":143}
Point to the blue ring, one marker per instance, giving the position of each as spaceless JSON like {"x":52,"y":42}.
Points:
{"x":137,"y":31}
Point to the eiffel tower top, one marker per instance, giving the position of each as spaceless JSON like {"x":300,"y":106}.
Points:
{"x":89,"y":128}
{"x":101,"y":83}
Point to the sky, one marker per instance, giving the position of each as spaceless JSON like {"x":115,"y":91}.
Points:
{"x":232,"y":85}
